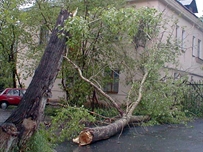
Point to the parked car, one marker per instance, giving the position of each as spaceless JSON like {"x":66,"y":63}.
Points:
{"x":11,"y":96}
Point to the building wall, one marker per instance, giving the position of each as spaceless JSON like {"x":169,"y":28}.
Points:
{"x":26,"y":66}
{"x":190,"y":60}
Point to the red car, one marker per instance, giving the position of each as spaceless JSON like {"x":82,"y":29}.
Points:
{"x":11,"y":96}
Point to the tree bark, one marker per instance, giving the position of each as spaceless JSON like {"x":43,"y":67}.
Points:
{"x":24,"y":121}
{"x":91,"y":135}
{"x":96,"y":87}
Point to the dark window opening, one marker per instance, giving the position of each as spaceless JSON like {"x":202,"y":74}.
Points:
{"x":112,"y":85}
{"x":43,"y":36}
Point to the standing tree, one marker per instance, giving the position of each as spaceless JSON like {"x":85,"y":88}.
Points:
{"x":12,"y":33}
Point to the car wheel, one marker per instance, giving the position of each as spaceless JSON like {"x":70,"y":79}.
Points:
{"x":4,"y":105}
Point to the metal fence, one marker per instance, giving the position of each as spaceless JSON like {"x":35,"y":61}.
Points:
{"x":193,"y":102}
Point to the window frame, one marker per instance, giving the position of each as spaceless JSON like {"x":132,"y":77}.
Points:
{"x":12,"y":93}
{"x":182,"y":40}
{"x":199,"y":47}
{"x":193,"y":46}
{"x":113,"y":86}
{"x":177,"y":35}
{"x":43,"y":35}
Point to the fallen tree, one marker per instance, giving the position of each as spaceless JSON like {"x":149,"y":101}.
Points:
{"x":141,"y":61}
{"x":24,"y":121}
{"x":91,"y":135}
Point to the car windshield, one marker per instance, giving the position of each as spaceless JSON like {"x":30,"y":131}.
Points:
{"x":2,"y":91}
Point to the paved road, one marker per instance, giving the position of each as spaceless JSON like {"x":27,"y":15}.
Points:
{"x":4,"y":114}
{"x":164,"y":138}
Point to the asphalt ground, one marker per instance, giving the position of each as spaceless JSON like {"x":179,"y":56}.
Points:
{"x":4,"y":114}
{"x":162,"y":138}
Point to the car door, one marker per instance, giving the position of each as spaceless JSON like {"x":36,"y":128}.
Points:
{"x":13,"y":96}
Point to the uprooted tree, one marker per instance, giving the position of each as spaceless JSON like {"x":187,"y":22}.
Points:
{"x":24,"y":121}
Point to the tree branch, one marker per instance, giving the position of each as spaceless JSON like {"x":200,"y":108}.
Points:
{"x":134,"y":104}
{"x":95,"y":86}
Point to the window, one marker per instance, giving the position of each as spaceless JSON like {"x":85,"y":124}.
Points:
{"x":191,"y":79}
{"x":13,"y":93}
{"x":177,"y":34}
{"x":112,"y":84}
{"x":199,"y":53}
{"x":193,"y":46}
{"x":182,"y":40}
{"x":43,"y":36}
{"x":176,"y":76}
{"x":22,"y":92}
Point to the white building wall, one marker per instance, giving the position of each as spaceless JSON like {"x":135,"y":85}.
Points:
{"x":190,"y":61}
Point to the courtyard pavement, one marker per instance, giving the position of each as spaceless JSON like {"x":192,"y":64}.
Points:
{"x":162,"y":138}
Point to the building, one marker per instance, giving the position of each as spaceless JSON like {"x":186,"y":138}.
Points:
{"x":188,"y":31}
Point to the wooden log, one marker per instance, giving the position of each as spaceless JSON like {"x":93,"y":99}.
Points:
{"x":91,"y":135}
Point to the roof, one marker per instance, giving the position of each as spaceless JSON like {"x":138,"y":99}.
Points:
{"x":185,"y":2}
{"x":190,"y":5}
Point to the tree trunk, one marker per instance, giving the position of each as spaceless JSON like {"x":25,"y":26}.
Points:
{"x":24,"y":121}
{"x":91,"y":135}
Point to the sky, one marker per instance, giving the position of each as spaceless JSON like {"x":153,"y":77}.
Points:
{"x":199,"y":7}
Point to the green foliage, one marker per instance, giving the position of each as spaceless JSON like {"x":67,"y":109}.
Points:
{"x":192,"y":103}
{"x":39,"y":142}
{"x":17,"y":32}
{"x":162,"y":102}
{"x":85,"y":7}
{"x":110,"y":41}
{"x":68,"y":122}
{"x":99,"y":41}
{"x":162,"y":96}
{"x":103,"y":35}
{"x":9,"y":33}
{"x":77,"y":89}
{"x":19,"y":37}
{"x":86,"y":57}
{"x":50,"y":111}
{"x":106,"y":112}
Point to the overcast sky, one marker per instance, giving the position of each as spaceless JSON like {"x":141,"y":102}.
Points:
{"x":199,"y":7}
